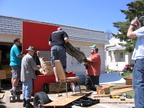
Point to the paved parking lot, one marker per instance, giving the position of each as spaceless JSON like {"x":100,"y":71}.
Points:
{"x":6,"y":104}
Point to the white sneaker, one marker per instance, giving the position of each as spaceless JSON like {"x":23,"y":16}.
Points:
{"x":94,"y":93}
{"x":12,"y":92}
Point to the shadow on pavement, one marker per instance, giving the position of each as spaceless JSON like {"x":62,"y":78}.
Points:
{"x":2,"y":106}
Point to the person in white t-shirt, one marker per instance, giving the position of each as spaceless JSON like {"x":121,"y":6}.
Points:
{"x":138,"y":56}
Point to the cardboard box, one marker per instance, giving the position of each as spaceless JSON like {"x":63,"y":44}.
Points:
{"x":8,"y":70}
{"x":102,"y":90}
{"x":2,"y":74}
{"x":129,"y":81}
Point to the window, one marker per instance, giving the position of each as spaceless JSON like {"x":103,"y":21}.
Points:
{"x":121,"y":55}
{"x":110,"y":55}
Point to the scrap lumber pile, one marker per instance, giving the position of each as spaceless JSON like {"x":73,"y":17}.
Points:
{"x":112,"y":95}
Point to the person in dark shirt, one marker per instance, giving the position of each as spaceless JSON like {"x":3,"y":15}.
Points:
{"x":57,"y":41}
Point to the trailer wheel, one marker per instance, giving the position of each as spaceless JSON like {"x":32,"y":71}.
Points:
{"x":40,"y":98}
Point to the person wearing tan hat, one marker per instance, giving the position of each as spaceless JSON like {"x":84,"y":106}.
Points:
{"x":93,"y":70}
{"x":28,"y":67}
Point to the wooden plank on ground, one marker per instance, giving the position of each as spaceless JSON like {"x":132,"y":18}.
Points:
{"x":115,"y":92}
{"x":66,"y":100}
{"x":107,"y":85}
{"x":101,"y":96}
{"x":118,"y":101}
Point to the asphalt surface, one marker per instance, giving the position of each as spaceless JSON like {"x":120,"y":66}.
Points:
{"x":5,"y":102}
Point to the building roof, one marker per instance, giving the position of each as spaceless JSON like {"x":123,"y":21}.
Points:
{"x":115,"y":48}
{"x":12,"y":25}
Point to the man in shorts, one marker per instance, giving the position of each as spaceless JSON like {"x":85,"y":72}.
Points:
{"x":15,"y":63}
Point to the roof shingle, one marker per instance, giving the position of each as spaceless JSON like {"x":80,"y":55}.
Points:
{"x":12,"y":25}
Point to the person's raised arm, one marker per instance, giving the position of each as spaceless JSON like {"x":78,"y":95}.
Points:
{"x":130,"y":33}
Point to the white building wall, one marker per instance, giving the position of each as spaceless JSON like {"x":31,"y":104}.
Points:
{"x":113,"y":58}
{"x":8,"y":37}
{"x":115,"y":63}
{"x":129,"y":58}
{"x":84,"y":47}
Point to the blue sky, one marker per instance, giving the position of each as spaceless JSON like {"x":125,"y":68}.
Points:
{"x":90,"y":14}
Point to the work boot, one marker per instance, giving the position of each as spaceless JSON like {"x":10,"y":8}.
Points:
{"x":28,"y":104}
{"x":24,"y":103}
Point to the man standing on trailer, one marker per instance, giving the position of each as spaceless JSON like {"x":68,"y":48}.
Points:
{"x":58,"y":52}
{"x":15,"y":63}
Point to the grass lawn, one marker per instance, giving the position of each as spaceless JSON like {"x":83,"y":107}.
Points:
{"x":125,"y":75}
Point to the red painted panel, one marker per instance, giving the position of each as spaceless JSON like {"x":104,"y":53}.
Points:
{"x":37,"y":35}
{"x":41,"y":79}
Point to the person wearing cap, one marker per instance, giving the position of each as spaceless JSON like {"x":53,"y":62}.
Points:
{"x":57,"y":41}
{"x":28,"y":67}
{"x":93,"y":70}
{"x":15,"y":63}
{"x":138,"y":56}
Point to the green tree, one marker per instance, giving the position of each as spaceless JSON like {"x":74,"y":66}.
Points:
{"x":135,"y":8}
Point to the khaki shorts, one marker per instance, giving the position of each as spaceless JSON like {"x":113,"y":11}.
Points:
{"x":16,"y":72}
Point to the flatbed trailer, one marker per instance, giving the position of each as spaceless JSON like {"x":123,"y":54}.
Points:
{"x":41,"y":98}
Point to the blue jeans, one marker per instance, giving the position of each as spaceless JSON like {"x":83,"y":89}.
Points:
{"x":27,"y":89}
{"x":138,"y":83}
{"x":58,"y":53}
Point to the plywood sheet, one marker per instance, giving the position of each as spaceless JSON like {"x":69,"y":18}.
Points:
{"x":2,"y":74}
{"x":66,"y":100}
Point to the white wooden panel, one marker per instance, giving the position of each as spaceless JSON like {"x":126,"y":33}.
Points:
{"x":8,"y":37}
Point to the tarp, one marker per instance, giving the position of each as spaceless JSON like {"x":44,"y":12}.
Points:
{"x":80,"y":56}
{"x":110,"y":78}
{"x":106,"y":78}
